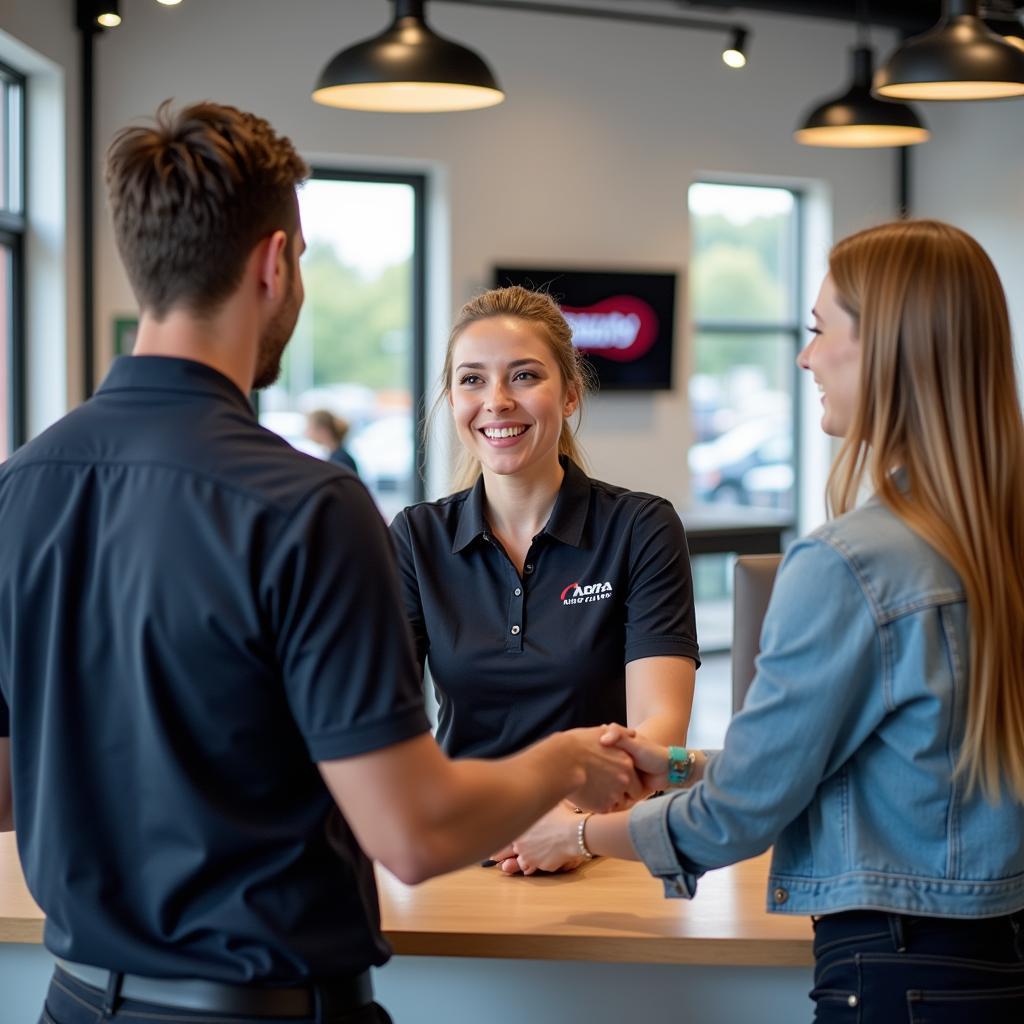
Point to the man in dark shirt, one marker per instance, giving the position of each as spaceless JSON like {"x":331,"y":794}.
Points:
{"x":209,"y":707}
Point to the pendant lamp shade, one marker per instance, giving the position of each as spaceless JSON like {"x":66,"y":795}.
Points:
{"x":857,"y":120}
{"x":959,"y":59}
{"x":408,"y":68}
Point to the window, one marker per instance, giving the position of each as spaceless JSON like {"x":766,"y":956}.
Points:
{"x":357,"y":351}
{"x":744,"y":299}
{"x":745,"y":308}
{"x":12,"y":231}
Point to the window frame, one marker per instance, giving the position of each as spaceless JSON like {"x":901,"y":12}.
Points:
{"x":794,"y":328}
{"x":13,"y":229}
{"x":419,"y":184}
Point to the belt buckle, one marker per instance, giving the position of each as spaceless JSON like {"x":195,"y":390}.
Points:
{"x":341,"y":998}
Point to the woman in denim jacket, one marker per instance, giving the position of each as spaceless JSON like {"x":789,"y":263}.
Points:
{"x":881,"y":744}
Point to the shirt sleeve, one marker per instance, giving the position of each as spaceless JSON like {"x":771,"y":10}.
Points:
{"x":342,"y":641}
{"x":5,"y":718}
{"x":814,"y":701}
{"x":401,"y":536}
{"x":659,"y":605}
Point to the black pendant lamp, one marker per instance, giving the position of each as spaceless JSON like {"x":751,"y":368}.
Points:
{"x":408,"y":68}
{"x":959,"y":59}
{"x":857,"y":120}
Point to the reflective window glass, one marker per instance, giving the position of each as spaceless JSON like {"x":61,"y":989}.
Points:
{"x":350,"y":363}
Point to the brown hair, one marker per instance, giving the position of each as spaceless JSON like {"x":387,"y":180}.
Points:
{"x":192,"y":195}
{"x":938,"y":397}
{"x":540,"y":311}
{"x":325,"y":421}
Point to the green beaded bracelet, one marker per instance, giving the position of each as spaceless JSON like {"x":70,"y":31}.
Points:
{"x":680,"y":765}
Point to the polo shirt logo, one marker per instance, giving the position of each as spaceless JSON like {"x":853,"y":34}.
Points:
{"x":586,"y":594}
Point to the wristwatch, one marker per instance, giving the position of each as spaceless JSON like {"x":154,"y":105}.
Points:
{"x":680,"y":765}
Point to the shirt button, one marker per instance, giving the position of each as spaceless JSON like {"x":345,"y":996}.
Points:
{"x":780,"y":895}
{"x":515,"y":631}
{"x":517,"y":591}
{"x":852,"y":1001}
{"x":528,"y":567}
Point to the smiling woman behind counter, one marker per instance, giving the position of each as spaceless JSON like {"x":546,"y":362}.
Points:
{"x":542,"y":599}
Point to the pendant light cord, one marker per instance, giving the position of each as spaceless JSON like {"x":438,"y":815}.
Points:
{"x":863,"y":28}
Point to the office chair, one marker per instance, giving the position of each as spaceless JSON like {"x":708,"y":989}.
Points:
{"x":754,"y":577}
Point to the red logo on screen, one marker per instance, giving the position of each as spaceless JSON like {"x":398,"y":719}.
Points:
{"x":621,"y":328}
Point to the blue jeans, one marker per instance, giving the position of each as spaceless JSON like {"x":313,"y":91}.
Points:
{"x":70,"y":1001}
{"x":879,"y":968}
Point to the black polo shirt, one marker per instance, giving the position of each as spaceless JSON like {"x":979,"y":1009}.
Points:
{"x":193,"y":614}
{"x":513,"y":659}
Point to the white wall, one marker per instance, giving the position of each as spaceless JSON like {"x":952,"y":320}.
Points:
{"x":972,"y":174}
{"x":586,"y":163}
{"x":38,"y":39}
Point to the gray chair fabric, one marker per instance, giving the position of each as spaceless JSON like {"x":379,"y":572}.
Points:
{"x":754,"y":577}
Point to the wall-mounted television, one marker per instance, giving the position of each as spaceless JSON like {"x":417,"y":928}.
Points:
{"x":622,"y":321}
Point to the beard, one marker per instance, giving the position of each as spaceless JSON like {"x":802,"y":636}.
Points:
{"x":271,"y":348}
{"x":275,"y":338}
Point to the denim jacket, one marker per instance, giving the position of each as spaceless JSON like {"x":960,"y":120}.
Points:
{"x":843,"y":754}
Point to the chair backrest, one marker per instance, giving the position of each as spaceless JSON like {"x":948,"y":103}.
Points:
{"x":752,"y":587}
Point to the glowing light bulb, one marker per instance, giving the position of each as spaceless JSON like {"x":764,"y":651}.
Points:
{"x":735,"y":54}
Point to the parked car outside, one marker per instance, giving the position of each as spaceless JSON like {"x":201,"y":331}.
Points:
{"x":750,"y":464}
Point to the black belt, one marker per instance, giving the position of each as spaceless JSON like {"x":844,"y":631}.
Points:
{"x":320,"y":1001}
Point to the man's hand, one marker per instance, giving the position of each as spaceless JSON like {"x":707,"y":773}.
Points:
{"x":650,"y":759}
{"x":608,"y":779}
{"x":444,"y":814}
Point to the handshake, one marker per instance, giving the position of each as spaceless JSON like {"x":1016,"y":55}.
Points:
{"x":613,"y":769}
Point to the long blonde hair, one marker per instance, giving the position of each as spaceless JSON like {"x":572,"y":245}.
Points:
{"x":938,"y":397}
{"x":540,"y":311}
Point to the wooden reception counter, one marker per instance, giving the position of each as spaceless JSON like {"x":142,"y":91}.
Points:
{"x":476,"y":945}
{"x":608,"y":911}
{"x":20,"y":919}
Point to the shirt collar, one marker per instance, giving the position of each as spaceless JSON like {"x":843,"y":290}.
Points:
{"x":569,"y":516}
{"x":566,"y":522}
{"x":472,"y":522}
{"x":166,"y":373}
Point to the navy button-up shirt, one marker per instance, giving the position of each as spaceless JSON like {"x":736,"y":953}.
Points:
{"x":193,"y":614}
{"x":515,"y":658}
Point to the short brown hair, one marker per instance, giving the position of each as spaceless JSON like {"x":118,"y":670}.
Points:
{"x":191,"y":195}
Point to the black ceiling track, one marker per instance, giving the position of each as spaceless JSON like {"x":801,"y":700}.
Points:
{"x":908,"y":16}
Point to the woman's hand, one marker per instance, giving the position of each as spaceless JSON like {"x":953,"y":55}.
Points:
{"x":649,"y":758}
{"x":550,"y":845}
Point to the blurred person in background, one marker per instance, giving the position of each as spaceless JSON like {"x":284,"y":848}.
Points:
{"x":330,"y":431}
